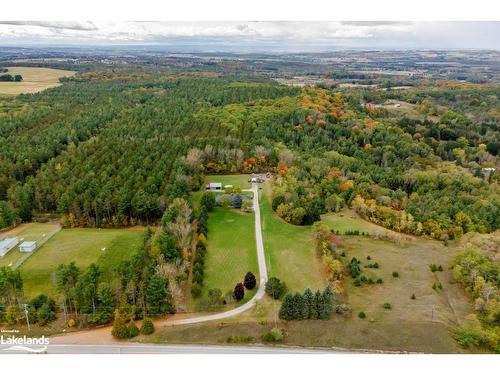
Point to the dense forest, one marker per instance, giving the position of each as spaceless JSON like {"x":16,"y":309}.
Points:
{"x":117,"y":150}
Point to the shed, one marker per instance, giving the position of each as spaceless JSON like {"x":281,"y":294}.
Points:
{"x":8,"y":244}
{"x":27,"y":246}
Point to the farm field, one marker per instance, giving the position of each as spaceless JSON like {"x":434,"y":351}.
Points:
{"x":84,"y":247}
{"x":25,"y":232}
{"x":231,"y":250}
{"x":34,"y":80}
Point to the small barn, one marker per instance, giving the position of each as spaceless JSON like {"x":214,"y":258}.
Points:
{"x":8,"y":244}
{"x":214,"y":186}
{"x":27,"y":246}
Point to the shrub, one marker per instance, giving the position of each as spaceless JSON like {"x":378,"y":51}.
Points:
{"x":120,"y":330}
{"x":147,"y":327}
{"x":356,"y":282}
{"x":437,"y":285}
{"x":274,"y":335}
{"x":395,"y":274}
{"x":436,"y":268}
{"x":387,"y":306}
{"x":196,"y":290}
{"x":368,"y":257}
{"x":133,"y":331}
{"x":380,"y":281}
{"x":362,"y":315}
{"x":343,"y":254}
{"x":250,"y":281}
{"x":239,"y":292}
{"x":413,"y":296}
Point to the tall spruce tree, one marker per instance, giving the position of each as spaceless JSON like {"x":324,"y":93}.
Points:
{"x":318,"y":302}
{"x":308,"y":304}
{"x":286,"y":309}
{"x":158,"y":301}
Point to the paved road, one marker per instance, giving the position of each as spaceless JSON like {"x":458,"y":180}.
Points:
{"x":168,"y":349}
{"x":262,"y":273}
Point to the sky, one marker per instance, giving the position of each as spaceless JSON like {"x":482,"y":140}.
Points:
{"x":262,"y":36}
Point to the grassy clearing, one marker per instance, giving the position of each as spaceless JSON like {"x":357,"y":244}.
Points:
{"x":25,"y":232}
{"x":231,"y":251}
{"x":243,"y":180}
{"x":34,"y":80}
{"x":84,"y":247}
{"x":348,"y":220}
{"x":289,"y":250}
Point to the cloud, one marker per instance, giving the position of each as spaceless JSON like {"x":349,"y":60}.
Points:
{"x":355,"y":34}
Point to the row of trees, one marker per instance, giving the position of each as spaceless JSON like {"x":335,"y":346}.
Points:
{"x":308,"y":305}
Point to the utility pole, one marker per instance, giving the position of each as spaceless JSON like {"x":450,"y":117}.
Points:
{"x":25,"y":306}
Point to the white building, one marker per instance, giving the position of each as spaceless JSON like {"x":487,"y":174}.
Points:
{"x":8,"y":244}
{"x":214,"y":186}
{"x":27,"y":246}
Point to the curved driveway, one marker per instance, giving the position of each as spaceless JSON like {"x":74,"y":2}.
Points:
{"x":262,"y":274}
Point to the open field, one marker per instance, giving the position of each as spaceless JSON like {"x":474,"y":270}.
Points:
{"x":84,"y":247}
{"x":25,"y":232}
{"x":34,"y":80}
{"x":231,"y":251}
{"x":289,"y":250}
{"x":348,"y":220}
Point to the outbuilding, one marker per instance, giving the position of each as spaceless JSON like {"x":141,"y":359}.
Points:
{"x":27,"y":246}
{"x":8,"y":244}
{"x":214,"y":186}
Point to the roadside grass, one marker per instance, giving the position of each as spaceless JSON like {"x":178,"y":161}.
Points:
{"x":289,"y":249}
{"x":84,"y":247}
{"x":34,"y":80}
{"x":231,"y":251}
{"x":243,"y":180}
{"x":25,"y":232}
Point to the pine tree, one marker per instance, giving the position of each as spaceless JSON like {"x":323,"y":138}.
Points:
{"x":147,"y":327}
{"x":286,"y":309}
{"x":318,"y":303}
{"x":327,"y":297}
{"x":158,"y":299}
{"x":298,"y":307}
{"x":308,"y":304}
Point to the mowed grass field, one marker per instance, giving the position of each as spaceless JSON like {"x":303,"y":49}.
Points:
{"x":231,"y":251}
{"x":84,"y":247}
{"x":25,"y":232}
{"x":34,"y":80}
{"x":289,"y":249}
{"x":243,"y":180}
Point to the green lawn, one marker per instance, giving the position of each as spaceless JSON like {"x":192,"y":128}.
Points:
{"x":84,"y":247}
{"x":243,"y":180}
{"x":231,"y":251}
{"x":25,"y":232}
{"x":289,"y":249}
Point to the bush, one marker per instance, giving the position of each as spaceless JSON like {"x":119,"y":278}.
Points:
{"x":368,"y":257}
{"x":120,"y":330}
{"x":196,"y":290}
{"x":239,"y":292}
{"x":395,"y":274}
{"x":356,"y":282}
{"x":250,"y":281}
{"x":436,"y":268}
{"x":362,"y":315}
{"x":380,"y":281}
{"x":275,"y":288}
{"x":147,"y":327}
{"x":274,"y":335}
{"x":387,"y":306}
{"x":413,"y":296}
{"x":133,"y":330}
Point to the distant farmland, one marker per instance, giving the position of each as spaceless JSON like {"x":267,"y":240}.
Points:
{"x":34,"y":80}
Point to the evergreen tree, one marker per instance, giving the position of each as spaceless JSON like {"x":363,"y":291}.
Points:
{"x":158,"y":301}
{"x":286,"y":309}
{"x":120,"y":329}
{"x":208,"y":201}
{"x":328,"y":302}
{"x":250,"y":281}
{"x":298,"y":310}
{"x":239,"y":292}
{"x":147,"y":327}
{"x":309,"y":311}
{"x":106,"y":298}
{"x":318,"y":303}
